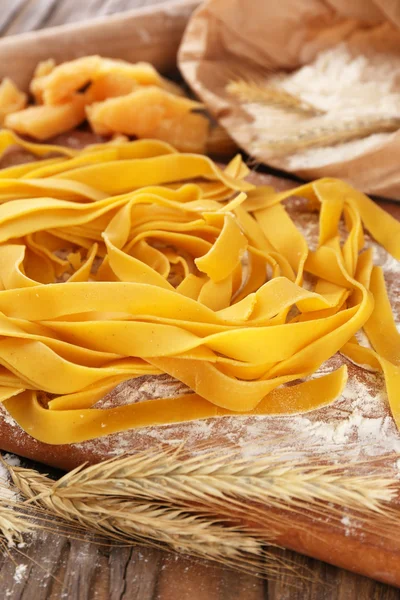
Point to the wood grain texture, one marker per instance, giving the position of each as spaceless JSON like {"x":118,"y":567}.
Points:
{"x":58,"y":567}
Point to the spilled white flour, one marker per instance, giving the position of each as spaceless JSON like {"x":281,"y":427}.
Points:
{"x":6,"y":490}
{"x":344,"y":87}
{"x":346,"y":521}
{"x":20,"y":573}
{"x":344,"y":84}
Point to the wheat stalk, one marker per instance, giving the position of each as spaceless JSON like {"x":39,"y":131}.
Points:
{"x":17,"y":518}
{"x":267,"y":479}
{"x":129,"y":518}
{"x":320,"y":134}
{"x":13,"y":526}
{"x":152,"y":523}
{"x":253,"y":91}
{"x":226,"y":509}
{"x":200,"y":505}
{"x":317,"y":133}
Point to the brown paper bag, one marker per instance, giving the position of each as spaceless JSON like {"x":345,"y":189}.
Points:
{"x":227,"y":40}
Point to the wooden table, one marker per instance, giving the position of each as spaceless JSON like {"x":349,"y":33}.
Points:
{"x":59,"y":567}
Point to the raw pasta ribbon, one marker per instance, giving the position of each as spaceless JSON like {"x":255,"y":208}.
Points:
{"x":129,"y":259}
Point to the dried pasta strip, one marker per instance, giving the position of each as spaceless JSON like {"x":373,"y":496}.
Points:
{"x":383,"y":335}
{"x":55,"y":84}
{"x":9,"y":139}
{"x":76,"y":425}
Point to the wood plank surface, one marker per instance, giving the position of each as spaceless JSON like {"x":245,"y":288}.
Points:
{"x":52,"y":566}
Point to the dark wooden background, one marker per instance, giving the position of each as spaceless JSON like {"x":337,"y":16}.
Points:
{"x":58,"y":567}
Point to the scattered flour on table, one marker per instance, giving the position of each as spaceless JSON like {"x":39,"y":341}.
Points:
{"x":5,"y":416}
{"x":6,"y":490}
{"x":357,"y":424}
{"x":346,"y":521}
{"x":20,"y":573}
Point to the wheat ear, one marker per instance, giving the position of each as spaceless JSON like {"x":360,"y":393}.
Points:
{"x":210,"y":487}
{"x":253,"y":91}
{"x":322,"y":134}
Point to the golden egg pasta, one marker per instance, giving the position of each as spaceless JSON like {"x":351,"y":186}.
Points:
{"x":129,"y":259}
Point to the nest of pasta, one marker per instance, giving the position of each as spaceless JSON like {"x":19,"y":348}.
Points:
{"x":130,"y":258}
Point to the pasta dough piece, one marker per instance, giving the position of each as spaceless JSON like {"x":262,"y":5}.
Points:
{"x":60,"y":83}
{"x":11,"y":99}
{"x":64,"y":80}
{"x":141,"y":73}
{"x":154,"y":113}
{"x":121,"y":99}
{"x":43,"y":122}
{"x":110,"y":85}
{"x":44,"y":68}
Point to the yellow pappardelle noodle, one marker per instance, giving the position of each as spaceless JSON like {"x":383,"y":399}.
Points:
{"x":172,"y":265}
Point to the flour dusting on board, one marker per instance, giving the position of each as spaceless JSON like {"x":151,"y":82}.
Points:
{"x":20,"y":573}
